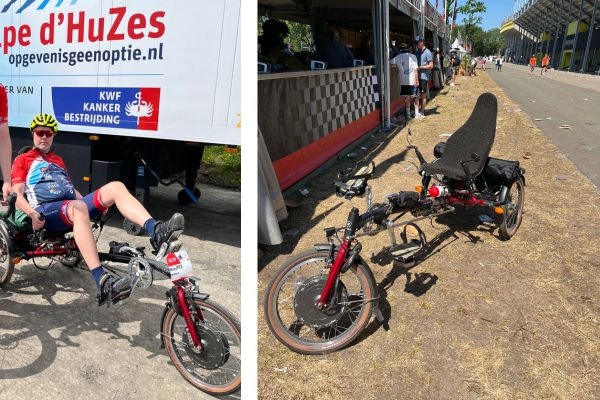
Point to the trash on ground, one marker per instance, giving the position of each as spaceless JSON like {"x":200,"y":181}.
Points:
{"x":284,"y":369}
{"x":351,"y":155}
{"x":445,"y":135}
{"x":560,"y":178}
{"x":364,"y":148}
{"x":408,"y":168}
{"x":565,"y":126}
{"x":585,"y":99}
{"x":518,"y":110}
{"x":590,"y":147}
{"x":548,"y":117}
{"x":537,"y":119}
{"x":304,"y":192}
{"x":533,"y":101}
{"x":527,"y":155}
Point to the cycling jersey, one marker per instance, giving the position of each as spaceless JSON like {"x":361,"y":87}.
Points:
{"x":3,"y":105}
{"x":44,"y":175}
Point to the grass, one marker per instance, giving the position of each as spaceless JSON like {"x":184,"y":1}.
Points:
{"x":221,"y":166}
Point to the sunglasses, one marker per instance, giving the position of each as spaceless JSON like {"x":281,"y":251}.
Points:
{"x":47,"y":134}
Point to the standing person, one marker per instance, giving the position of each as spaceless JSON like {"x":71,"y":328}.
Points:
{"x":500,"y":63}
{"x":41,"y":175}
{"x":473,"y":66}
{"x":425,"y":61}
{"x":409,"y":78}
{"x":545,"y":62}
{"x":532,"y":63}
{"x":483,"y":60}
{"x":5,"y":143}
{"x":453,"y":67}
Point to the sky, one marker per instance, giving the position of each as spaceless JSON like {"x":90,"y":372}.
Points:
{"x":497,"y":11}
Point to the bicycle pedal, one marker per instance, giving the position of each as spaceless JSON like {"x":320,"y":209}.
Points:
{"x":404,"y":252}
{"x":121,"y":299}
{"x":174,"y":246}
{"x":174,"y":235}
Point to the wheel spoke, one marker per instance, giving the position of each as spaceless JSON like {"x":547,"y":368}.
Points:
{"x":349,"y":307}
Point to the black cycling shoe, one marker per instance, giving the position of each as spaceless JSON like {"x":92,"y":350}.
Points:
{"x":113,"y":291}
{"x":165,"y":232}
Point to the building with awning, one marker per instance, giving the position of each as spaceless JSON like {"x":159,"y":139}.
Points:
{"x":306,"y":110}
{"x":307,"y":118}
{"x":567,"y":30}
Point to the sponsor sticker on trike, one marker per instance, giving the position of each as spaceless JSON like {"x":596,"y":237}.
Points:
{"x":179,"y":265}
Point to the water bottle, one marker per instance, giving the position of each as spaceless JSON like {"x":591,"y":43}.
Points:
{"x":438,"y":191}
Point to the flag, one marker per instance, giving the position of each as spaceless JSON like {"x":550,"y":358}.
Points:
{"x":454,"y":15}
{"x":444,"y":12}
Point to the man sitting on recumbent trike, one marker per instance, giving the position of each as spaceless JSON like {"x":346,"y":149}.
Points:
{"x":40,"y":175}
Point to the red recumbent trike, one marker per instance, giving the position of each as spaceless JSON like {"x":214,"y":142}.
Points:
{"x":321,"y":300}
{"x":202,"y":338}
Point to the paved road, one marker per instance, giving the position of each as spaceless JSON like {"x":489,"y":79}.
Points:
{"x":56,"y":343}
{"x":566,"y":104}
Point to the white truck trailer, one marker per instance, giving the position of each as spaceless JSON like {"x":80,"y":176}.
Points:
{"x":149,"y":78}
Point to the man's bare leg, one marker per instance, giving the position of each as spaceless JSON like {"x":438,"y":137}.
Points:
{"x":108,"y":288}
{"x":78,"y":213}
{"x":115,"y":193}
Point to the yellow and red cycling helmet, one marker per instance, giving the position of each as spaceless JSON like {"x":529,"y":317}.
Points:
{"x":46,"y":120}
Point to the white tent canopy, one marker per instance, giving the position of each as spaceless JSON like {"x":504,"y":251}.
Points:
{"x":459,"y":46}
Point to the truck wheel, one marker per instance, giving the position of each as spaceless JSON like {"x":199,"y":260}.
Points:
{"x":184,"y":197}
{"x":131,"y":227}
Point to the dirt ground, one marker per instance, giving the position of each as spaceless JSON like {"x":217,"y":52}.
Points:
{"x":56,"y":343}
{"x":480,"y":318}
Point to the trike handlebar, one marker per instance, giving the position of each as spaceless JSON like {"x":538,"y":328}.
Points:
{"x":11,"y":202}
{"x":357,"y":221}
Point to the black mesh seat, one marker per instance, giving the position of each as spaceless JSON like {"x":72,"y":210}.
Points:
{"x":475,"y":136}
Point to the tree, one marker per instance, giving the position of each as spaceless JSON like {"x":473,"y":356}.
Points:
{"x":299,"y":35}
{"x":471,"y":20}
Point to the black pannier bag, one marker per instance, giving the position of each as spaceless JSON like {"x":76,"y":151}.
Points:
{"x":501,"y":172}
{"x":496,"y":171}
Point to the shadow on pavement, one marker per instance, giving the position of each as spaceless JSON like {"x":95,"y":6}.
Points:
{"x":28,"y":332}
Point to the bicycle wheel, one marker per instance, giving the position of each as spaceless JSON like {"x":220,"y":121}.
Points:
{"x":216,"y":369}
{"x":7,"y":265}
{"x":70,"y":261}
{"x":513,"y":210}
{"x":290,"y":304}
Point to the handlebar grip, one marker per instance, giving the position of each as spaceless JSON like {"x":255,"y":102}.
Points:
{"x":353,"y":223}
{"x":378,"y":214}
{"x":419,"y":156}
{"x":42,"y":217}
{"x":11,"y":202}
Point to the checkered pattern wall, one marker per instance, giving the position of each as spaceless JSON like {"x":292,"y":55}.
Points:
{"x":295,"y":110}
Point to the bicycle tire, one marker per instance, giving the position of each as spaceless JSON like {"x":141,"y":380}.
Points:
{"x":7,"y":265}
{"x":288,"y":335}
{"x":233,"y":336}
{"x":511,"y":218}
{"x":70,"y":261}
